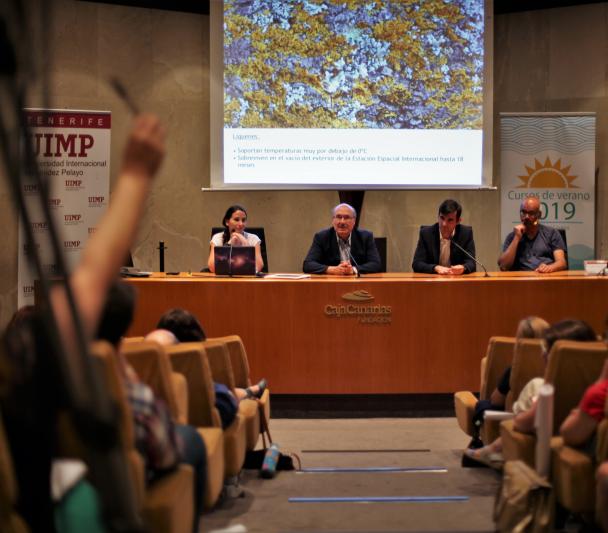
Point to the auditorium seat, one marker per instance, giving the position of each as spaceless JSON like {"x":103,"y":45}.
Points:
{"x":498,"y":357}
{"x":240,"y":368}
{"x":10,"y":521}
{"x":190,"y":360}
{"x":218,"y":356}
{"x":167,"y":504}
{"x":259,"y":231}
{"x":152,"y":366}
{"x":572,"y":367}
{"x":574,"y":471}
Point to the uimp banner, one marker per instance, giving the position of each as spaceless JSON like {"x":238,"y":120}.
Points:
{"x":551,"y":156}
{"x":72,"y":149}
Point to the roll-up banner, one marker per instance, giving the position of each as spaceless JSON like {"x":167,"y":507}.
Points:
{"x":73,"y":153}
{"x":551,"y":156}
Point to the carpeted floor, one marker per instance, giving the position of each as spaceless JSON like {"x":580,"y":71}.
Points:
{"x":365,"y":443}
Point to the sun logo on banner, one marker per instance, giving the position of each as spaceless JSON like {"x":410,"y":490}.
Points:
{"x":547,"y":176}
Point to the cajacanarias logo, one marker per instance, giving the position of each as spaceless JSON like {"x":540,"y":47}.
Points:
{"x":365,"y":314}
{"x":358,"y":296}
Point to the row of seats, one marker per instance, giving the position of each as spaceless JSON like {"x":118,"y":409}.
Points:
{"x":182,"y":376}
{"x":572,"y":367}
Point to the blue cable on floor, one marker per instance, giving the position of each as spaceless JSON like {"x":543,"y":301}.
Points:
{"x":331,"y":469}
{"x":381,"y":499}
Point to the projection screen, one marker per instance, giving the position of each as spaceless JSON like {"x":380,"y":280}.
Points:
{"x":311,"y":94}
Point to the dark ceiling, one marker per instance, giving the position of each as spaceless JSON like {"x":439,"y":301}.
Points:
{"x":202,"y":6}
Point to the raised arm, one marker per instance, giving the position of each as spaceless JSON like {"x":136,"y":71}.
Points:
{"x":109,"y":245}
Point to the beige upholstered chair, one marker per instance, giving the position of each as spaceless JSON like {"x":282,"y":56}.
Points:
{"x":10,"y":521}
{"x":574,"y":471}
{"x":218,"y":355}
{"x":190,"y":360}
{"x":572,"y":367}
{"x":153,"y":366}
{"x":240,"y":368}
{"x":167,"y":505}
{"x":498,"y":357}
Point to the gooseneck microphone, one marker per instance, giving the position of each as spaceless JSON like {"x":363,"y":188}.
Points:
{"x":486,"y":275}
{"x":230,"y":258}
{"x":355,"y":262}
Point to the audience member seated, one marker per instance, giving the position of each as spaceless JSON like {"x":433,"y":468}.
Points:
{"x":532,"y":327}
{"x":525,"y":406}
{"x":579,"y":427}
{"x":31,"y":393}
{"x":186,"y":328}
{"x":161,"y":442}
{"x":235,"y":221}
{"x":601,"y":501}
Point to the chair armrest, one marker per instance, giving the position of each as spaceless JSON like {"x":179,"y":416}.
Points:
{"x":180,"y":387}
{"x":464,"y":405}
{"x":490,"y":414}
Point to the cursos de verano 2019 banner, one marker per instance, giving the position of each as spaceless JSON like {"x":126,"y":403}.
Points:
{"x":551,"y":156}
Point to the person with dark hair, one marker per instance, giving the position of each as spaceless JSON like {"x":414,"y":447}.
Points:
{"x":532,"y":245}
{"x":525,"y":406}
{"x":186,"y":328}
{"x":183,"y":324}
{"x":343,"y":250}
{"x":234,"y":234}
{"x":161,"y":442}
{"x":439,"y":248}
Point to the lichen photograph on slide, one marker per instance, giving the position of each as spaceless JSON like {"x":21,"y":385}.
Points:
{"x":409,"y":64}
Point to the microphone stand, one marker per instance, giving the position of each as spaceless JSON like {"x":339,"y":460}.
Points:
{"x":356,"y":265}
{"x":486,"y":275}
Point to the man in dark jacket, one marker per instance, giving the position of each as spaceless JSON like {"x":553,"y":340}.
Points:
{"x":440,"y":246}
{"x":343,"y":250}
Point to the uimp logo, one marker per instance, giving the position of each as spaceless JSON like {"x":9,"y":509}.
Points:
{"x":29,"y":248}
{"x":30,"y":188}
{"x":96,"y":201}
{"x":28,"y":290}
{"x":39,"y":226}
{"x":358,"y":296}
{"x":547,"y":175}
{"x":71,"y":245}
{"x":54,"y":202}
{"x":73,"y":184}
{"x":72,"y":219}
{"x":92,"y":229}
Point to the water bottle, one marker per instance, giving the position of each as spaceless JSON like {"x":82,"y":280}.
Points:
{"x":271,"y":458}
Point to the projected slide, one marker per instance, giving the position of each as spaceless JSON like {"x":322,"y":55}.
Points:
{"x":353,"y":92}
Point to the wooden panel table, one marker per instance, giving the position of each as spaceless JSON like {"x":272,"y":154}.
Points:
{"x":415,"y":334}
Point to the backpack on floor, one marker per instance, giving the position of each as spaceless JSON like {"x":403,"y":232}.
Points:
{"x":525,"y":501}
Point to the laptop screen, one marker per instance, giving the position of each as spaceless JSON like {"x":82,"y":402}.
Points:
{"x":235,"y":260}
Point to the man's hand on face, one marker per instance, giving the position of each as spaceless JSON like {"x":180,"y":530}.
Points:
{"x":457,"y":270}
{"x":543,"y":268}
{"x":519,"y":230}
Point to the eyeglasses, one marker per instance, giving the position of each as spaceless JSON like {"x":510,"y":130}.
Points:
{"x":344,"y":217}
{"x":531,"y":214}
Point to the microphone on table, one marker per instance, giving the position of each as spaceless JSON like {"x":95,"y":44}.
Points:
{"x":230,"y":259}
{"x":471,"y":256}
{"x":356,"y":265}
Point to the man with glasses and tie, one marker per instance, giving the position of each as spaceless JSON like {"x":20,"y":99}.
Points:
{"x":531,"y":245}
{"x":343,"y":250}
{"x":447,"y":247}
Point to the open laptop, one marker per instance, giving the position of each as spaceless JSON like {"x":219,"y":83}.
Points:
{"x":234,"y":260}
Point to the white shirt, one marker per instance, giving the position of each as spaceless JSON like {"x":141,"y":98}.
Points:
{"x":252,"y":239}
